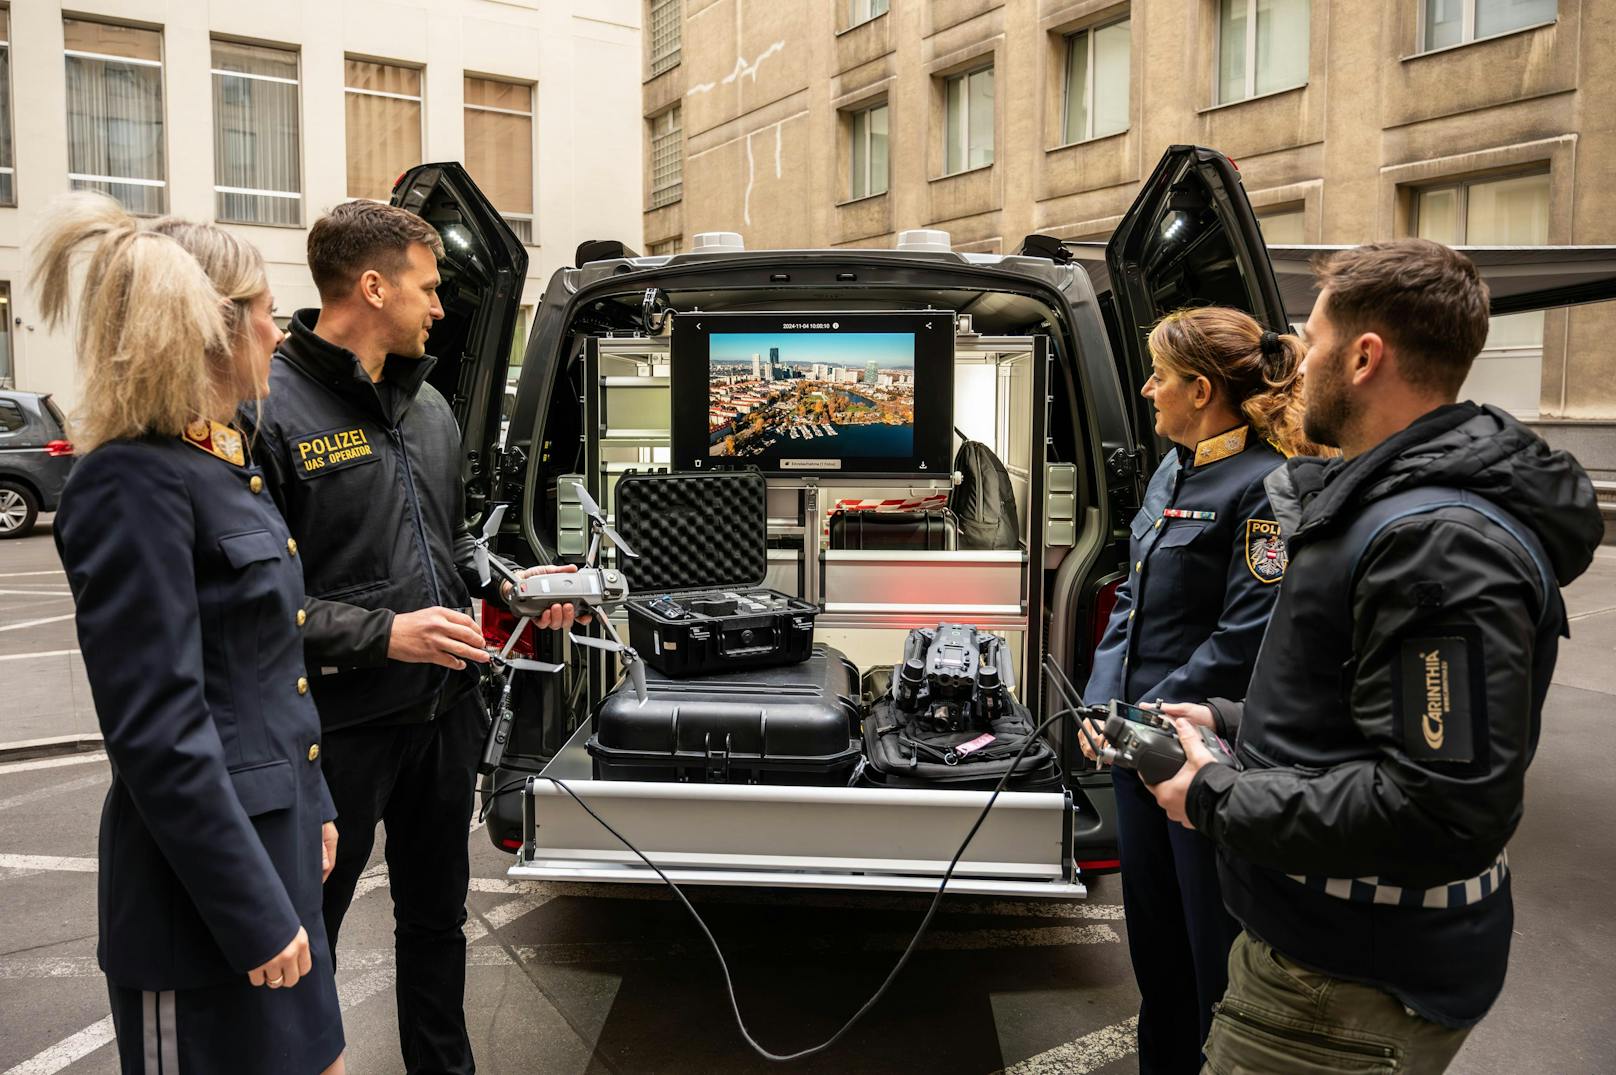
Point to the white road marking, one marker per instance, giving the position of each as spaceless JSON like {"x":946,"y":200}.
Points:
{"x":1095,"y":1050}
{"x":48,"y":863}
{"x":37,"y":623}
{"x":67,"y":1051}
{"x":22,"y":574}
{"x":41,"y":653}
{"x":55,"y":789}
{"x":37,"y":593}
{"x":51,"y":763}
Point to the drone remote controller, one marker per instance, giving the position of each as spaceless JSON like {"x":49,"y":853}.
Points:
{"x":1145,"y":741}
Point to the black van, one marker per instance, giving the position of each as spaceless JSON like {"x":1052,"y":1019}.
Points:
{"x":1066,"y":335}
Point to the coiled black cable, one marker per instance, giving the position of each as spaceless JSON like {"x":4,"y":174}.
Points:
{"x":723,"y":964}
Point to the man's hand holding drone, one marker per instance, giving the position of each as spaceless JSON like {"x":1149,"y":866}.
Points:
{"x":556,"y":617}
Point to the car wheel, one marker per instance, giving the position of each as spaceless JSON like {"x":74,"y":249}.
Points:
{"x":18,"y":510}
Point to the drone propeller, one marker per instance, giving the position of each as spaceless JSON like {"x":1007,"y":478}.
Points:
{"x":480,"y":545}
{"x":592,"y":510}
{"x":626,"y":653}
{"x":522,"y":664}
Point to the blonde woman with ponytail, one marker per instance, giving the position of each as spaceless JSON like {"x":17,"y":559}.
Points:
{"x":217,"y":832}
{"x":1205,"y":560}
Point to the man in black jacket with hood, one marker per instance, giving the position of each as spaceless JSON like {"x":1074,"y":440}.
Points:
{"x":1395,"y":704}
{"x":363,"y":457}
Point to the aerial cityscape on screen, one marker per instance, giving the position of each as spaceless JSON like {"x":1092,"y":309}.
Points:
{"x":774,"y":395}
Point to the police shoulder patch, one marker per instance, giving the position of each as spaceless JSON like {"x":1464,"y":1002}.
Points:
{"x":1266,"y":557}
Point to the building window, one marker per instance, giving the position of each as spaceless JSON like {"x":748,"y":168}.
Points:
{"x":1097,"y":63}
{"x":1510,"y":211}
{"x":257,"y":157}
{"x":384,"y":126}
{"x":1262,"y":47}
{"x":1454,"y":22}
{"x":8,"y":172}
{"x":499,"y":147}
{"x":969,"y":119}
{"x":115,"y":113}
{"x":871,"y":169}
{"x":665,"y":248}
{"x":1283,"y":225}
{"x":667,"y":34}
{"x":667,"y":159}
{"x":862,"y":11}
{"x":8,"y":370}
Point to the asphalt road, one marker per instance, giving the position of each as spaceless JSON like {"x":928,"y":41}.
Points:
{"x":575,"y":979}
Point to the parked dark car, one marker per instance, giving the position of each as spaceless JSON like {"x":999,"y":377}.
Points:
{"x":1191,"y":238}
{"x":35,"y":458}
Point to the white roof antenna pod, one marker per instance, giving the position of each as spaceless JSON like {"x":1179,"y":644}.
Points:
{"x":928,"y":240}
{"x":717,"y":242}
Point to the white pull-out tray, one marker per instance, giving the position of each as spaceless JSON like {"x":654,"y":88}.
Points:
{"x":873,"y":839}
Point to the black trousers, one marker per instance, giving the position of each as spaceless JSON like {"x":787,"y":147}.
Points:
{"x":1179,"y":933}
{"x":417,"y":780}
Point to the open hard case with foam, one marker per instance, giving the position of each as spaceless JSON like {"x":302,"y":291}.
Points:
{"x":793,"y":725}
{"x":697,"y":604}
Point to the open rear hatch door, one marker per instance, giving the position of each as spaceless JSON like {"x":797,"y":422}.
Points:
{"x":483,"y":267}
{"x":1189,"y":239}
{"x":1519,"y":278}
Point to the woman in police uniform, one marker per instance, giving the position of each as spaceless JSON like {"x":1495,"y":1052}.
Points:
{"x":1205,"y":561}
{"x":216,"y":833}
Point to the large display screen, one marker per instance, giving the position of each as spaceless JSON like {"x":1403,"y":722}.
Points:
{"x":816,"y":393}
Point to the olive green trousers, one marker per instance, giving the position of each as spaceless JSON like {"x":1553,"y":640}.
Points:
{"x":1278,"y":1018}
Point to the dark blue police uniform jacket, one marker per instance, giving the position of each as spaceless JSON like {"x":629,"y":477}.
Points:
{"x":189,"y":594}
{"x":1204,"y":565}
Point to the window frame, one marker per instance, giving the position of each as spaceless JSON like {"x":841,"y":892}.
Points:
{"x":161,"y":63}
{"x":8,"y":88}
{"x":526,"y":235}
{"x":964,"y":132}
{"x":853,"y":115}
{"x":676,"y":133}
{"x":1251,"y":93}
{"x":1467,"y":28}
{"x":1088,"y":32}
{"x":419,"y":99}
{"x":302,"y":127}
{"x":853,"y":6}
{"x":667,"y":60}
{"x":1462,"y":185}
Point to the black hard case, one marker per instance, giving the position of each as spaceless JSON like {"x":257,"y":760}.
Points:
{"x":698,"y":536}
{"x":792,"y":725}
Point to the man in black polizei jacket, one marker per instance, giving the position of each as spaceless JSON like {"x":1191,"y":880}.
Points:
{"x":363,"y":457}
{"x":1395,"y":704}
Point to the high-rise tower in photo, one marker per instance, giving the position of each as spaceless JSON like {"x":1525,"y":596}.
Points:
{"x":870,"y":371}
{"x":757,"y":367}
{"x":775,"y":373}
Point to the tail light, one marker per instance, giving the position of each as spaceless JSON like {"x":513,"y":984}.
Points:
{"x":1097,"y":865}
{"x":1105,"y":603}
{"x":59,"y":448}
{"x":497,"y":627}
{"x":510,"y":844}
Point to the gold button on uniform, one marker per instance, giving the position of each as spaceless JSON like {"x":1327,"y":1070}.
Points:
{"x":1138,"y":566}
{"x":256,"y":484}
{"x":302,"y":617}
{"x":314,"y":752}
{"x":1158,"y":524}
{"x":302,"y":685}
{"x":291,"y":545}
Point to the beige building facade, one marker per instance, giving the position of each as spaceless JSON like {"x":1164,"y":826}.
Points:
{"x":262,"y":115}
{"x":1489,"y":122}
